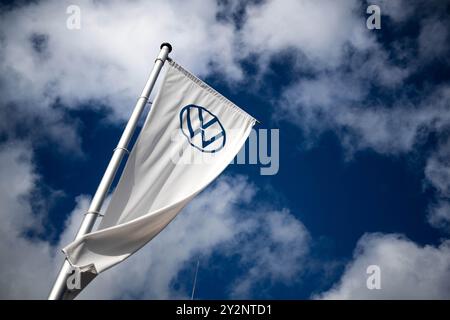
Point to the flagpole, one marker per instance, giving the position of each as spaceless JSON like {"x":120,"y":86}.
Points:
{"x":59,"y":288}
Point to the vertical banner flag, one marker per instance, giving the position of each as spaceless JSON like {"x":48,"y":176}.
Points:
{"x":189,"y":137}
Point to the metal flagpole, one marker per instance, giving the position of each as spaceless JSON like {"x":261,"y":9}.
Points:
{"x":60,"y":285}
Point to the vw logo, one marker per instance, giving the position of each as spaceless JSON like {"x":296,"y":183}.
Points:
{"x":202,"y":129}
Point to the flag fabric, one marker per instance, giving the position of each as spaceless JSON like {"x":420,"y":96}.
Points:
{"x":189,"y":137}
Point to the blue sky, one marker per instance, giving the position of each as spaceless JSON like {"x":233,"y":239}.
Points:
{"x":363,"y":117}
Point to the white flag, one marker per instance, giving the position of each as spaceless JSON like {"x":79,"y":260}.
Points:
{"x":190,"y":135}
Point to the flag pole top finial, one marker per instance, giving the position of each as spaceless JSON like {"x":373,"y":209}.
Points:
{"x":166,"y":44}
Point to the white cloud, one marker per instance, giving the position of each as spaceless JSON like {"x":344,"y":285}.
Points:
{"x":398,"y":10}
{"x":25,"y":268}
{"x":339,"y":63}
{"x":342,"y":101}
{"x":275,"y":250}
{"x":319,"y":29}
{"x":29,"y":261}
{"x":439,"y":215}
{"x":433,"y":39}
{"x":37,"y":128}
{"x":437,"y":172}
{"x":109,"y":58}
{"x":326,"y":104}
{"x":408,"y":271}
{"x":339,"y":66}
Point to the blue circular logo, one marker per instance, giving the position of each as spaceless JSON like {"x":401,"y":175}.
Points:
{"x":202,"y":129}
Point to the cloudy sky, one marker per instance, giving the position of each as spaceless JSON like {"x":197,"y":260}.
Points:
{"x":363,"y":118}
